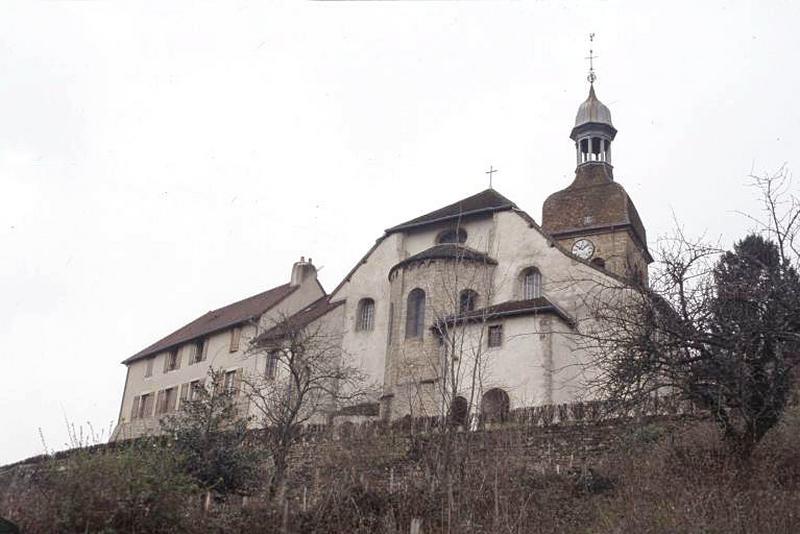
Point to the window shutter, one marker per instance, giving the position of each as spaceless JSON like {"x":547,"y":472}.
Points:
{"x":172,"y":399}
{"x":166,"y":362}
{"x":237,"y":382}
{"x":236,"y":334}
{"x":135,"y":408}
{"x":185,"y":393}
{"x":177,"y":358}
{"x":160,"y":402}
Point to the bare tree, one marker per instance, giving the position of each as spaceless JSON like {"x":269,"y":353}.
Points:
{"x":444,"y":372}
{"x":307,"y":377}
{"x":718,"y":329}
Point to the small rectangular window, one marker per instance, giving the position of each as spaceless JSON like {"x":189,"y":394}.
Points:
{"x":231,"y":386}
{"x":496,"y":335}
{"x":148,"y":370}
{"x":199,"y":350}
{"x":271,"y":370}
{"x":236,"y":334}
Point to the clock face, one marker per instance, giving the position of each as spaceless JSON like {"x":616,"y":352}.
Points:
{"x":583,"y":248}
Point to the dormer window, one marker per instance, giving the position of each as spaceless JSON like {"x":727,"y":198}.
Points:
{"x":453,"y":235}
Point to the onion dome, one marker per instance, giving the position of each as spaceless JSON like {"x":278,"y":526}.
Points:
{"x":592,"y":110}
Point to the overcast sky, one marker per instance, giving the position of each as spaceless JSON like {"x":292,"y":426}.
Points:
{"x":160,"y":161}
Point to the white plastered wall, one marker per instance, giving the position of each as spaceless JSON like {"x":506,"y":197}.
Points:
{"x":217,"y":355}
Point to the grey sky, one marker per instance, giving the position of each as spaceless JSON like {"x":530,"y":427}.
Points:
{"x":160,"y":161}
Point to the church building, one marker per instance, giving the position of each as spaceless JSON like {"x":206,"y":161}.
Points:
{"x":473,"y":307}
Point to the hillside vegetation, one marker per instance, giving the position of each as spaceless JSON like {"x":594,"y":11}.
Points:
{"x":660,"y":475}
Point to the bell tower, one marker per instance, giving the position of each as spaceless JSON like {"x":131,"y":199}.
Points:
{"x":594,"y":218}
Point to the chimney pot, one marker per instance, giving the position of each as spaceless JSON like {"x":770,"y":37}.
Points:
{"x":301,"y":271}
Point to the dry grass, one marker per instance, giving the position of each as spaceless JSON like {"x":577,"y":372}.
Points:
{"x":655,"y":478}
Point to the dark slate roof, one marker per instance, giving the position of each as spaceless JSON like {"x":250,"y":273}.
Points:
{"x":219,"y":319}
{"x":449,"y":251}
{"x":300,"y":320}
{"x":511,"y":308}
{"x":487,"y":201}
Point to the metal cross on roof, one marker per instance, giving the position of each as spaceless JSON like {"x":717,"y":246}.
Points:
{"x":592,"y":77}
{"x":491,"y":172}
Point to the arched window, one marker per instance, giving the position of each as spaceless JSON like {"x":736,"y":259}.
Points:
{"x":453,"y":235}
{"x":495,"y":405}
{"x":415,"y":313}
{"x":365,"y":314}
{"x":531,"y":283}
{"x":467,"y":301}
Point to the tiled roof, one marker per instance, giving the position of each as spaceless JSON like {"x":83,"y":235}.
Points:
{"x":511,"y":308}
{"x":484,"y":202}
{"x":594,"y":201}
{"x":450,"y":251}
{"x":299,"y":320}
{"x":225,"y":317}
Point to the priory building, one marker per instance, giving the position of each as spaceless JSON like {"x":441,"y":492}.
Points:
{"x":477,"y":286}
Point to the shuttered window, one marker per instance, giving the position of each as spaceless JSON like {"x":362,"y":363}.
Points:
{"x":236,"y":334}
{"x":135,"y":408}
{"x":160,"y":402}
{"x":170,"y":399}
{"x":146,"y":406}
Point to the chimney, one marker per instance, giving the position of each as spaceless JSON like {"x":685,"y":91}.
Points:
{"x":301,"y":271}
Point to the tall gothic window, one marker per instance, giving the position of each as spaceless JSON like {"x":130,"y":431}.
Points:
{"x":467,"y":301}
{"x":365,"y":319}
{"x":531,"y":283}
{"x":415,"y":313}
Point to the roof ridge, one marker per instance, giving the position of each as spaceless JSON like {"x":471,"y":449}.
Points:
{"x":218,"y":319}
{"x":488,"y":200}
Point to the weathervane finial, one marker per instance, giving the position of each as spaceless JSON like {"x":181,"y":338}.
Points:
{"x":592,"y":76}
